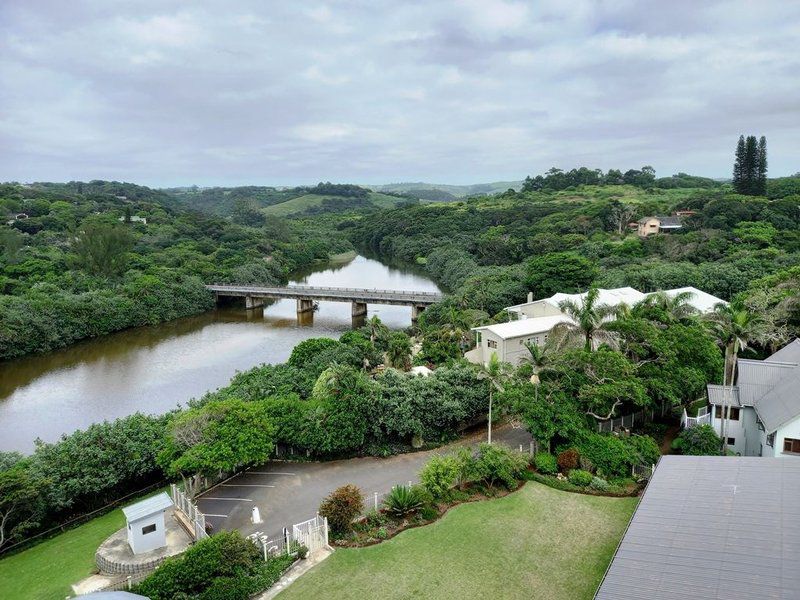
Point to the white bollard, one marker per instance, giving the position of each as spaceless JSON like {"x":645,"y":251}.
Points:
{"x":256,"y":517}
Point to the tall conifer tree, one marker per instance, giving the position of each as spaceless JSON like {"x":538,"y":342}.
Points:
{"x":738,"y":167}
{"x":761,"y":177}
{"x":750,"y":165}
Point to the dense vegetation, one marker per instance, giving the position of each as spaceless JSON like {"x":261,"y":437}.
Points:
{"x":82,"y":265}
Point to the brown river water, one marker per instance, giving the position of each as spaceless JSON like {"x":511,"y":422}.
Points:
{"x":155,"y":369}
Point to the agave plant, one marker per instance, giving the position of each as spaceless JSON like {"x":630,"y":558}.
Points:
{"x":402,"y":501}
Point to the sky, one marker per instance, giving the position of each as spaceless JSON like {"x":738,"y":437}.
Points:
{"x":166,"y":93}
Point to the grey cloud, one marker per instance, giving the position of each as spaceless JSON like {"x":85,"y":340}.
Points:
{"x":281,"y":93}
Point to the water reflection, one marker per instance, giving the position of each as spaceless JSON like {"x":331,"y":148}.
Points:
{"x":154,"y":369}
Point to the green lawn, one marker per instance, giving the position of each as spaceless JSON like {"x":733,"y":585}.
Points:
{"x":46,"y":571}
{"x":536,"y":543}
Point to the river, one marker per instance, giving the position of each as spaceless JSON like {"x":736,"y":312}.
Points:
{"x":155,"y":369}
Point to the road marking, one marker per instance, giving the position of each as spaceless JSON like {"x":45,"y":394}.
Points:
{"x":267,"y":473}
{"x":231,"y":499}
{"x":210,"y":515}
{"x":247,"y":485}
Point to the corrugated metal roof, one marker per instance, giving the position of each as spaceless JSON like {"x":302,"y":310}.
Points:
{"x":790,"y":353}
{"x":523,"y":327}
{"x":148,"y":506}
{"x":669,"y":222}
{"x":716,"y":395}
{"x":757,"y":377}
{"x":781,"y":404}
{"x":712,"y":527}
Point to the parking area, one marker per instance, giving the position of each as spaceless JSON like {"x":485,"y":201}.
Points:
{"x":286,"y":493}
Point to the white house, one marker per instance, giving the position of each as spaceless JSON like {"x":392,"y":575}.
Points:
{"x":146,"y":527}
{"x":764,"y":405}
{"x":532,"y":321}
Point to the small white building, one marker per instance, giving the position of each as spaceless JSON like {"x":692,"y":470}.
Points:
{"x":135,"y":219}
{"x":146,"y":528}
{"x":764,"y":417}
{"x":532,"y":321}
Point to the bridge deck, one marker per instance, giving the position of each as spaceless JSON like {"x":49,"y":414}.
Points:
{"x":335,"y":294}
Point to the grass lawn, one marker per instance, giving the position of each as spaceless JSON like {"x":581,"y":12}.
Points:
{"x":536,"y":543}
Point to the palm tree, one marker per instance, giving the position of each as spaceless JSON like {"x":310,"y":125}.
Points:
{"x":588,"y":322}
{"x":496,"y":373}
{"x":674,"y":308}
{"x":398,"y":355}
{"x":377,"y":330}
{"x":539,"y":359}
{"x":735,"y":328}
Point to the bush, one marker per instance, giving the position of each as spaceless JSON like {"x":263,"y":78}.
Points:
{"x":439,"y":475}
{"x":601,"y":485}
{"x":614,"y":456}
{"x":495,"y":463}
{"x":568,"y":459}
{"x":342,"y":506}
{"x":580,"y":477}
{"x":546,"y":463}
{"x":402,"y":501}
{"x":700,"y":440}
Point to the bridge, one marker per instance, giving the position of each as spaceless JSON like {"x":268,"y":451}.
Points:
{"x":307,"y":296}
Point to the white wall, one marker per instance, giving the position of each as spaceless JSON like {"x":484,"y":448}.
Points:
{"x":790,"y":430}
{"x":738,"y":430}
{"x":140,"y":542}
{"x":540,"y":308}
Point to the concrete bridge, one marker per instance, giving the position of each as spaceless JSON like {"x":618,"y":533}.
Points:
{"x":307,"y":296}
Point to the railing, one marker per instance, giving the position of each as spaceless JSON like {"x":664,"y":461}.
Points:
{"x":703,"y":418}
{"x":331,"y":291}
{"x":624,"y":422}
{"x":184,"y":504}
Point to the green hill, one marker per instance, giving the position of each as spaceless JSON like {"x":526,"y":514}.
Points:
{"x":422,"y":190}
{"x":319,"y":203}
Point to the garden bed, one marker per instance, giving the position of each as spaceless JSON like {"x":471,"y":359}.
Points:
{"x":629,"y":489}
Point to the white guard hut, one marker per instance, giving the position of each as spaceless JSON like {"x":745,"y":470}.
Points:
{"x":146,"y":528}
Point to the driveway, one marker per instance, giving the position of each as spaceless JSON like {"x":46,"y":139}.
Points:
{"x":286,"y":493}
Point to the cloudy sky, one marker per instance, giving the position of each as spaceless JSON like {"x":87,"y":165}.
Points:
{"x":172,"y":93}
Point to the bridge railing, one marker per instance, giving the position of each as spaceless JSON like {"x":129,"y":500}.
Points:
{"x":304,"y":288}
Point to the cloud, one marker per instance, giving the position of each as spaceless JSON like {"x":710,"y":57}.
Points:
{"x":461,"y":91}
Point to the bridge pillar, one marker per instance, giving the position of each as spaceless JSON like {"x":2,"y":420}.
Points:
{"x":251,"y":302}
{"x":359,"y":309}
{"x":304,"y":305}
{"x":416,"y":310}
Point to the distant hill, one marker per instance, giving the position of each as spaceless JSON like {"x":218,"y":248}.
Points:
{"x":442,"y":192}
{"x":325,"y":203}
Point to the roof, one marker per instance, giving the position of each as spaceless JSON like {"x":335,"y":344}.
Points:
{"x":702,"y":301}
{"x":712,"y":527}
{"x":716,"y":395}
{"x":114,"y":596}
{"x":780,"y":404}
{"x":669,"y":222}
{"x":613,"y":297}
{"x":790,"y":353}
{"x":514,"y":329}
{"x":148,"y":506}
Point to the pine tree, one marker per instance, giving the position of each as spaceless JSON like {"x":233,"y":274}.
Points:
{"x":761,"y":175}
{"x":751,"y":164}
{"x":738,"y":167}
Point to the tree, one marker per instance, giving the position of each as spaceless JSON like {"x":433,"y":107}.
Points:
{"x":588,"y":322}
{"x":739,"y":176}
{"x":700,"y":440}
{"x":761,"y":169}
{"x":555,"y":272}
{"x":750,"y":166}
{"x":341,"y":507}
{"x":398,"y":355}
{"x":102,"y":249}
{"x":378,"y":332}
{"x":496,"y":373}
{"x":666,"y":309}
{"x":620,"y":215}
{"x":218,"y":437}
{"x":19,"y":503}
{"x":735,"y":328}
{"x":11,"y":242}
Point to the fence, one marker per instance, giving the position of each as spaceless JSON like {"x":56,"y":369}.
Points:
{"x":313,"y":534}
{"x":196,"y":519}
{"x":703,"y":418}
{"x":642,"y":471}
{"x":625,"y":422}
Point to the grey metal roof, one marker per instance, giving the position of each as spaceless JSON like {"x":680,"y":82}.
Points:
{"x":148,"y":506}
{"x":780,"y":404}
{"x":712,"y":527}
{"x":669,"y":222}
{"x":716,"y":395}
{"x":790,"y":353}
{"x":757,"y":377}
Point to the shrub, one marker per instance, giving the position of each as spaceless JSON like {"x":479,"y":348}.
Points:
{"x":601,"y":485}
{"x":546,"y":463}
{"x":402,"y":501}
{"x":439,"y":475}
{"x":495,"y":463}
{"x":580,"y":477}
{"x":342,"y":506}
{"x":614,"y":456}
{"x":309,"y":349}
{"x":568,"y":460}
{"x":700,"y":440}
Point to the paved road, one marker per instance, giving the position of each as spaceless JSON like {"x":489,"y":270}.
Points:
{"x":291,"y":492}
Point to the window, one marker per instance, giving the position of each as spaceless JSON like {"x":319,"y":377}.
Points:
{"x":731,"y":441}
{"x":733,"y":413}
{"x":491,"y":343}
{"x":771,"y":440}
{"x":148,"y":529}
{"x":791,"y":445}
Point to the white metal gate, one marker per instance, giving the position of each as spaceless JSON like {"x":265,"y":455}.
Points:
{"x":190,"y":511}
{"x":313,"y":534}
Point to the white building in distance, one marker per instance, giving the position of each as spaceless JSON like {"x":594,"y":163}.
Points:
{"x":532,"y":321}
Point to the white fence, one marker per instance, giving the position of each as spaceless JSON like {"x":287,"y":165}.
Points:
{"x":196,"y":519}
{"x":624,"y":422}
{"x":703,"y":418}
{"x":312,"y":534}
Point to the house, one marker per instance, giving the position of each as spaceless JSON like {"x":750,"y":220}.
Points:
{"x":711,"y":527}
{"x":764,"y":405}
{"x":146,"y":528}
{"x":135,"y":219}
{"x":653,"y":225}
{"x":532,"y":321}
